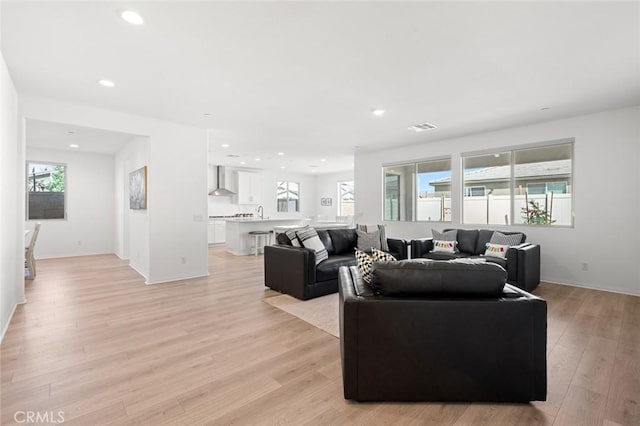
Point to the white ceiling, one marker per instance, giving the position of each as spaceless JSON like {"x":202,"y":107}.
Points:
{"x":45,"y":134}
{"x":302,"y":77}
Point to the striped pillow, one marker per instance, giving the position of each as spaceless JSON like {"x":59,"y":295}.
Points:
{"x":309,"y":239}
{"x":506,"y":240}
{"x":384,"y":245}
{"x":291,"y":233}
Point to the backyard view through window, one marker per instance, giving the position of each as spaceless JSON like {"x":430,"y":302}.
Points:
{"x":434,"y":196}
{"x":399,"y":190}
{"x":418,"y":191}
{"x":523,"y":186}
{"x":46,"y":184}
{"x":346,"y":205}
{"x":288,"y":195}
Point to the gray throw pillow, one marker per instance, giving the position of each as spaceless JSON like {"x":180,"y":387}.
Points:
{"x":368,"y":240}
{"x":451,"y":235}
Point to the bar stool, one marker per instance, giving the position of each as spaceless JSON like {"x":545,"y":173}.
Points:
{"x":257,"y":239}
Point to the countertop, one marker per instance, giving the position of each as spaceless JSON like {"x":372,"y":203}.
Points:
{"x":258,"y":220}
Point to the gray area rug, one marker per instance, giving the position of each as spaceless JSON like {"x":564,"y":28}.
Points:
{"x":321,"y":312}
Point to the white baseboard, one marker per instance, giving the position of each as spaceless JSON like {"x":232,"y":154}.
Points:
{"x":59,"y":256}
{"x":169,"y":280}
{"x":9,"y":318}
{"x":132,"y":266}
{"x":590,"y":287}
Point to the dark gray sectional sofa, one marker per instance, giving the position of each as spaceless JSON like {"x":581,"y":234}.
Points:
{"x":522,"y":263}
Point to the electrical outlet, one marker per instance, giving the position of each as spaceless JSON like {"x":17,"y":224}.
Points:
{"x":584,"y":266}
{"x":183,"y":260}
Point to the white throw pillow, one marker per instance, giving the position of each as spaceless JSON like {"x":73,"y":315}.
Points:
{"x":496,"y":250}
{"x":444,"y":246}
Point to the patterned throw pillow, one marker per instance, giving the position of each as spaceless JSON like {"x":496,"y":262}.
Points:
{"x":496,"y":250}
{"x":451,"y":235}
{"x":309,"y":239}
{"x":291,"y":233}
{"x":444,"y":246}
{"x":382,"y":256}
{"x":364,"y":262}
{"x":506,"y":240}
{"x":384,"y":245}
{"x":368,"y":240}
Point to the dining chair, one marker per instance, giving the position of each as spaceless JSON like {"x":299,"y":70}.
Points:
{"x":30,"y":261}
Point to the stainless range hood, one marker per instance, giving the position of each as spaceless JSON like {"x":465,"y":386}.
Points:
{"x":220,"y":190}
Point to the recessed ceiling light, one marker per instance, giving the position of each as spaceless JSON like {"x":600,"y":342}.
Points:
{"x":208,"y":114}
{"x":496,"y":155}
{"x":243,"y":162}
{"x":323,"y":160}
{"x":281,"y":153}
{"x":132,"y":17}
{"x":257,"y":159}
{"x":282,"y":167}
{"x":377,"y":112}
{"x":106,"y":83}
{"x":71,"y":133}
{"x":73,"y":145}
{"x":422,"y":127}
{"x":225,"y":145}
{"x":544,"y":109}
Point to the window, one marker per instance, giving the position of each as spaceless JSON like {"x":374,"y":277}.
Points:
{"x":288,"y":197}
{"x":46,"y":184}
{"x":475,"y":191}
{"x":346,"y":198}
{"x":487,"y":188}
{"x":543,"y":185}
{"x":434,"y":190}
{"x":399,"y":188}
{"x":418,"y":191}
{"x":521,"y":186}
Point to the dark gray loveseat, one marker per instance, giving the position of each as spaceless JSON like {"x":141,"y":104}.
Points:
{"x":293,"y":270}
{"x":450,"y":335}
{"x":522,"y":263}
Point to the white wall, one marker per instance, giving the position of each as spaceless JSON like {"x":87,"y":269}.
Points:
{"x":177,"y":182}
{"x":327,"y":187}
{"x":11,"y":201}
{"x":89,"y":227}
{"x":606,"y":158}
{"x":132,"y":226}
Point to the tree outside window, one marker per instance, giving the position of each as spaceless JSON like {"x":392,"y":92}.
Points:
{"x":46,"y":188}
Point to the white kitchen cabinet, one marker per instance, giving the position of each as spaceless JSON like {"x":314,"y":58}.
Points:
{"x":219,"y":231}
{"x":249,"y":188}
{"x":211,"y":239}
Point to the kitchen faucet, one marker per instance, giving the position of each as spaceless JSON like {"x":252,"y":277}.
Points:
{"x":260,"y":211}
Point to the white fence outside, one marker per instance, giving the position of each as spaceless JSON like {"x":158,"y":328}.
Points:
{"x":495,"y":209}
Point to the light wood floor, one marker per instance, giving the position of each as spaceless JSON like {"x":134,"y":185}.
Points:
{"x":99,"y":345}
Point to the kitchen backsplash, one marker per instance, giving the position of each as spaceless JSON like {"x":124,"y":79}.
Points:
{"x":222,"y":206}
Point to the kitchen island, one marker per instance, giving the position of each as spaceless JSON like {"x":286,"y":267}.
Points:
{"x":239,"y":242}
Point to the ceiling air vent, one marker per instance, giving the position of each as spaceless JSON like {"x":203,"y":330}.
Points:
{"x":422,"y":127}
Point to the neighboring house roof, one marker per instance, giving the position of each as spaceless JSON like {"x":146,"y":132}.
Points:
{"x":530,"y":170}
